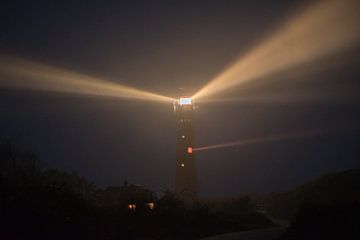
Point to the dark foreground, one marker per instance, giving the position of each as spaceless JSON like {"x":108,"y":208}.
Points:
{"x":262,"y":234}
{"x":40,"y":203}
{"x":52,"y":204}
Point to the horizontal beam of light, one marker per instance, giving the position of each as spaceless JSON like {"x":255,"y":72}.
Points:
{"x":29,"y":75}
{"x":271,"y":138}
{"x":324,"y":28}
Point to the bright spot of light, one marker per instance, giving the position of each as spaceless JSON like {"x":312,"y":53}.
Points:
{"x":182,"y":165}
{"x":185,"y":101}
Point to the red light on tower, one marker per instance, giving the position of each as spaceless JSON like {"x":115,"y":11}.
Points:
{"x":190,"y":150}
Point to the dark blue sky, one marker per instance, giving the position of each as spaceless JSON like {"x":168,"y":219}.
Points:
{"x":161,"y":46}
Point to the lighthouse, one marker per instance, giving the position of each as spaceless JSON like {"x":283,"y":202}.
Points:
{"x":185,"y":178}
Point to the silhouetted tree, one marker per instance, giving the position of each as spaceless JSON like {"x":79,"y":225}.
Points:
{"x":73,"y":182}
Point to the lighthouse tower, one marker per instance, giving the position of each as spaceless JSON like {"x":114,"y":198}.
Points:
{"x":185,"y":179}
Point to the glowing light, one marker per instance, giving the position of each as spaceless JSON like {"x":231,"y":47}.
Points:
{"x":182,"y":165}
{"x":324,"y":28}
{"x":132,"y":207}
{"x":190,"y":150}
{"x":150,"y":205}
{"x":29,"y":75}
{"x":185,"y":101}
{"x":183,"y":136}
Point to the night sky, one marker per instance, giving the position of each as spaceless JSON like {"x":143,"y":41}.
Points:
{"x":162,"y":46}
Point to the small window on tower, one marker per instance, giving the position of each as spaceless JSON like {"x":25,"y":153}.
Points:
{"x":190,"y":149}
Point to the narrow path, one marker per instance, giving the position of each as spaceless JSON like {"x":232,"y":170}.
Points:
{"x":262,"y":234}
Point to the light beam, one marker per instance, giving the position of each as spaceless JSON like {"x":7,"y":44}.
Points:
{"x":35,"y":76}
{"x":271,"y":138}
{"x":324,"y":28}
{"x":293,"y":98}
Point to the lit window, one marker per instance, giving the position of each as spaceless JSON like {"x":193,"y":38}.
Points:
{"x":190,"y":150}
{"x":182,"y":136}
{"x":182,"y":165}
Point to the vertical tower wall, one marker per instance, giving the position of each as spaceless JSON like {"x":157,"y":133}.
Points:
{"x":185,"y":179}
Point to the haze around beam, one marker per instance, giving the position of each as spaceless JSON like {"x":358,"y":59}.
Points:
{"x":324,"y":28}
{"x":25,"y":74}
